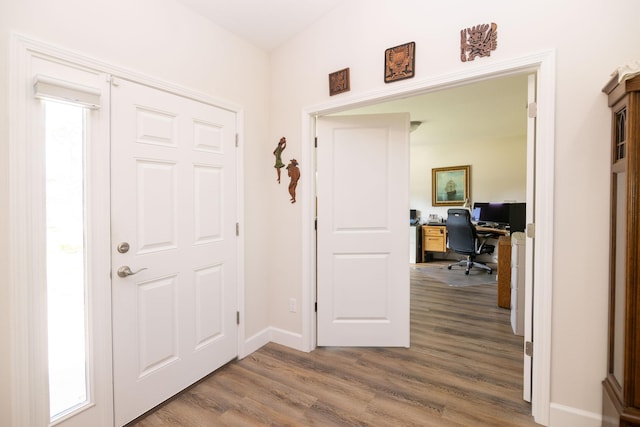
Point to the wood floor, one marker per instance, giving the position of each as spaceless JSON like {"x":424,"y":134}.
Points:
{"x":464,"y":368}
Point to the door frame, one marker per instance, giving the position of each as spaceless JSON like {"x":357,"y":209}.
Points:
{"x":543,"y":65}
{"x":28,"y":325}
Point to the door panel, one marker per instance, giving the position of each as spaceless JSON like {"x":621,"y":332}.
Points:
{"x":174,"y":204}
{"x":363,"y":185}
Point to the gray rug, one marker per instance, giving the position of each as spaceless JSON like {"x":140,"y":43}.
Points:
{"x":456,"y":277}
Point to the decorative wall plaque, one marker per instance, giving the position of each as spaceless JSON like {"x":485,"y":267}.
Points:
{"x":339,"y":82}
{"x":399,"y":62}
{"x":478,"y":40}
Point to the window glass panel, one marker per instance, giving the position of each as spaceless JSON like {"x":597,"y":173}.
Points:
{"x":621,"y":135}
{"x":66,"y":278}
{"x":620,"y":277}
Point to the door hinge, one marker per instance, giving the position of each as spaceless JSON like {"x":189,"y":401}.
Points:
{"x":237,"y":317}
{"x":528,"y":348}
{"x":237,"y":140}
{"x":531,"y":231}
{"x":315,"y":142}
{"x":532,"y":110}
{"x":315,"y":307}
{"x":237,"y":228}
{"x":315,"y":224}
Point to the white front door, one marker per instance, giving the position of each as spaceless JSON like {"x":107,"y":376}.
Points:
{"x":173,"y":202}
{"x":363,"y":205}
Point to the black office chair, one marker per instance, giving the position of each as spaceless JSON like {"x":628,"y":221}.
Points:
{"x":464,"y":240}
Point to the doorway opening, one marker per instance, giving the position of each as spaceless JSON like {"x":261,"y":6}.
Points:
{"x":542,"y":65}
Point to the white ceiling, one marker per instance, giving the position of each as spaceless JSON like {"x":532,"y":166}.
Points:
{"x":263,"y":23}
{"x":490,"y":110}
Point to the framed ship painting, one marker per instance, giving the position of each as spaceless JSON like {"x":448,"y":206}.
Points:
{"x":450,"y":186}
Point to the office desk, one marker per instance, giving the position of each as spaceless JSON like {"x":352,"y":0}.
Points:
{"x":504,"y":263}
{"x":434,"y":239}
{"x":481,"y":229}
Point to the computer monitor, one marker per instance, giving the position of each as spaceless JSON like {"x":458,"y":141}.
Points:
{"x":475,"y":213}
{"x":517,"y":217}
{"x":492,"y":212}
{"x":511,"y":214}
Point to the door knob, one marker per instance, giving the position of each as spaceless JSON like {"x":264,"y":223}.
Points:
{"x":125,"y":271}
{"x":123,"y":247}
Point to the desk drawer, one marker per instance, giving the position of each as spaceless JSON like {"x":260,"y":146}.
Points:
{"x":437,"y":231}
{"x":434,"y":238}
{"x":435,"y":243}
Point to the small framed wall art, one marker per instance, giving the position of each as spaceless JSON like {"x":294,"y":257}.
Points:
{"x":339,"y":82}
{"x":399,"y":62}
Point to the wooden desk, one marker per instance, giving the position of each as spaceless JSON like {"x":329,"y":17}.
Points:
{"x":434,"y":239}
{"x":504,"y":263}
{"x":504,"y":272}
{"x":501,"y":231}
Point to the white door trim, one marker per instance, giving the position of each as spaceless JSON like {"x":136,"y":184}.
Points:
{"x":542,"y":63}
{"x":28,"y":338}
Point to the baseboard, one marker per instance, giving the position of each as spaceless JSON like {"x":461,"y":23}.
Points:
{"x":255,"y":342}
{"x":267,"y":335}
{"x":561,"y":415}
{"x":286,"y":338}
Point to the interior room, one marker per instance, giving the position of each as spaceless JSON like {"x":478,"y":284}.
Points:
{"x":483,"y":125}
{"x":175,"y":283}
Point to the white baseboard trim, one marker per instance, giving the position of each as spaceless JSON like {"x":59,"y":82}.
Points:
{"x":255,"y":342}
{"x":267,"y":335}
{"x":286,"y":338}
{"x":561,"y":415}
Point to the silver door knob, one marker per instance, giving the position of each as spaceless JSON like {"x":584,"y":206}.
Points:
{"x":125,"y":271}
{"x":123,"y":247}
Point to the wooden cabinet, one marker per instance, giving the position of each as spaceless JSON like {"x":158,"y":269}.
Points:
{"x":434,"y":238}
{"x":621,"y":394}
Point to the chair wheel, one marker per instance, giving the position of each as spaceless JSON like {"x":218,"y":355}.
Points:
{"x":466,"y":272}
{"x":448,"y":267}
{"x":490,"y":271}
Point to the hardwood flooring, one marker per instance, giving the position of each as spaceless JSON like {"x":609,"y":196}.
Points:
{"x":464,"y":368}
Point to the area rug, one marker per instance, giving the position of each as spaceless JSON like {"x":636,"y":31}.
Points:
{"x":456,"y":277}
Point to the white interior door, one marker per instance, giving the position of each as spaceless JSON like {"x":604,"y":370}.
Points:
{"x":528,"y":294}
{"x":173,"y":206}
{"x":363,"y":202}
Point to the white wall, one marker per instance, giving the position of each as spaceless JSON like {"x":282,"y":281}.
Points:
{"x":160,"y":38}
{"x":164,"y":40}
{"x":498,"y":170}
{"x":589,"y":42}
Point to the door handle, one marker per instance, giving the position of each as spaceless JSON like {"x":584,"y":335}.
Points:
{"x":125,"y":271}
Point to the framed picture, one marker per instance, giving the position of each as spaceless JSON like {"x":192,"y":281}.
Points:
{"x":450,"y":186}
{"x":399,"y":62}
{"x":339,"y":82}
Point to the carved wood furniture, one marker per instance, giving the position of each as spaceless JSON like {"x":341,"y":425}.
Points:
{"x":621,"y":396}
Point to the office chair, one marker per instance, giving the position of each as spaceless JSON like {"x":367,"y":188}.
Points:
{"x":464,"y":240}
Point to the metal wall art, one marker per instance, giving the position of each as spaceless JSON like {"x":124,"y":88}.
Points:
{"x":294,"y":173}
{"x":282,"y":144}
{"x":479,"y":40}
{"x":339,"y":82}
{"x":399,"y":62}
